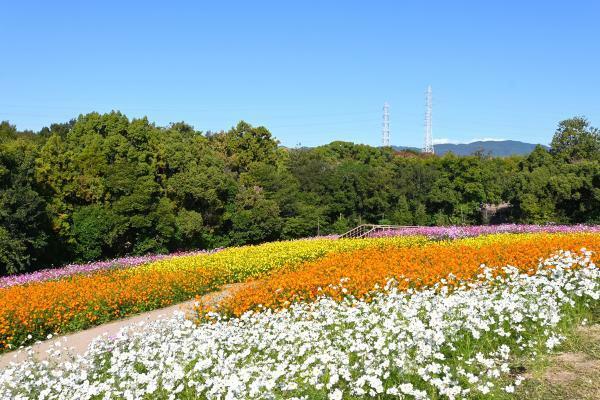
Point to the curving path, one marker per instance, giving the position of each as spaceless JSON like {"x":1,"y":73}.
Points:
{"x":78,"y":342}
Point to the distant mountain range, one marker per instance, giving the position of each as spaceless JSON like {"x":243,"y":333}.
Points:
{"x":498,"y":148}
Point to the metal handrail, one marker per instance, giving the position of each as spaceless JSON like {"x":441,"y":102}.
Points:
{"x":364,"y":230}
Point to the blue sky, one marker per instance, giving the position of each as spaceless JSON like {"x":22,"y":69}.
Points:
{"x":311,"y":72}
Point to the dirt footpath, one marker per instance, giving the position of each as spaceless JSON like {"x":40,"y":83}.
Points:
{"x":78,"y":342}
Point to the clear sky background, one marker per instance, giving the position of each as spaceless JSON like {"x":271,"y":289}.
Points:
{"x":311,"y":72}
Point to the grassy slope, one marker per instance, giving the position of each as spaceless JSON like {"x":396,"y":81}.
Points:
{"x":573,"y":372}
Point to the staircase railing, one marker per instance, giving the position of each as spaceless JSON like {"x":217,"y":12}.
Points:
{"x":367,"y":230}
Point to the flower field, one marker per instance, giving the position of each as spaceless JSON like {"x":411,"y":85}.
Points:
{"x":362,"y":270}
{"x":458,"y":232}
{"x":405,"y":316}
{"x":441,"y":341}
{"x":32,"y":310}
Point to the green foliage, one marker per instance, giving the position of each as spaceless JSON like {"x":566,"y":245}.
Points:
{"x":92,"y":231}
{"x":548,"y":189}
{"x":8,"y":132}
{"x":245,"y":144}
{"x":23,"y":221}
{"x":420,"y":215}
{"x":341,"y":225}
{"x":402,"y":214}
{"x":575,"y":140}
{"x":189,"y":227}
{"x":307,"y":220}
{"x":253,"y":217}
{"x":13,"y":253}
{"x":103,"y":185}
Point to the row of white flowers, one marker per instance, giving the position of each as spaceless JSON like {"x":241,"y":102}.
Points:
{"x":448,"y":342}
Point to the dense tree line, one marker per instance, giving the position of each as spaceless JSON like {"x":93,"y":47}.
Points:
{"x":104,"y":186}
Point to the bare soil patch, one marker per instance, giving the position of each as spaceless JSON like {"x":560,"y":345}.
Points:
{"x":572,"y":374}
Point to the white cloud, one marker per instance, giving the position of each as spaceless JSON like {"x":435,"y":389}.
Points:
{"x":486,"y":139}
{"x":443,"y":141}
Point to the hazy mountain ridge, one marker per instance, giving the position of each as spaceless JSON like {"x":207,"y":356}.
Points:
{"x":493,"y":147}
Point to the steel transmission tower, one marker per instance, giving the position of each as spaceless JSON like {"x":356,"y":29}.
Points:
{"x":428,"y":138}
{"x":385,"y":133}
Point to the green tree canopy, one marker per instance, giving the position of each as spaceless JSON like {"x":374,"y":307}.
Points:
{"x":576,"y":140}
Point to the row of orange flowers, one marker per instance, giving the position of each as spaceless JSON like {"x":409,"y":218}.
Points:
{"x":363,"y":270}
{"x":30,"y":312}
